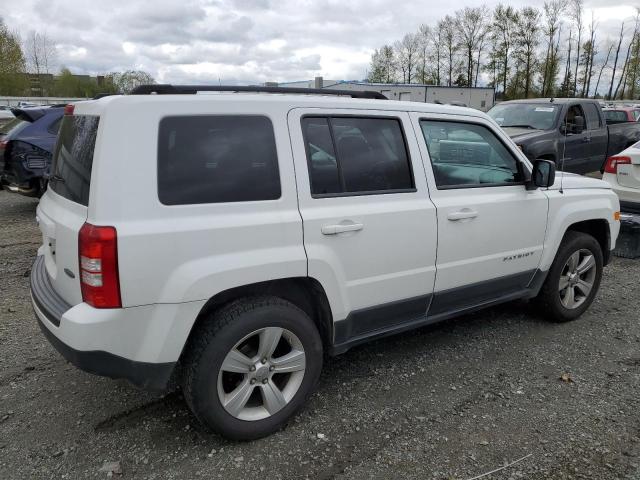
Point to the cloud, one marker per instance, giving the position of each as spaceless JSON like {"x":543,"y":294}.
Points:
{"x":245,"y":41}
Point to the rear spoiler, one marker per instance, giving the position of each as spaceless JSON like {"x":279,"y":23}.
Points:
{"x":28,"y":114}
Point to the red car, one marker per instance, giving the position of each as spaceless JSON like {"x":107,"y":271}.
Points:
{"x":621,"y":114}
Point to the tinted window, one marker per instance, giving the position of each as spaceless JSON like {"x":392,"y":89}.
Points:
{"x":73,"y":157}
{"x":593,"y":117}
{"x":356,"y":155}
{"x":465,"y":154}
{"x":323,"y":167}
{"x":211,"y":159}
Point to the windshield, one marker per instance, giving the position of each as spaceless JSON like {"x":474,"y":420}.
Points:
{"x":525,"y":115}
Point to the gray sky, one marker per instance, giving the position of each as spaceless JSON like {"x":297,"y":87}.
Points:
{"x":241,"y":40}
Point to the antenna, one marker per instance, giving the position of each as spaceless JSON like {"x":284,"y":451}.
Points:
{"x":564,"y":149}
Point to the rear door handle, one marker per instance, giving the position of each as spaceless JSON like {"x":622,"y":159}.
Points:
{"x":341,"y":228}
{"x":462,"y":214}
{"x":586,"y":139}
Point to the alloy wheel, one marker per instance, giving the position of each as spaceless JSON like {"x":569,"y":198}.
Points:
{"x":577,"y":278}
{"x":261,"y":374}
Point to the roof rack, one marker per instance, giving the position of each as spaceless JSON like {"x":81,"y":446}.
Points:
{"x":166,"y":89}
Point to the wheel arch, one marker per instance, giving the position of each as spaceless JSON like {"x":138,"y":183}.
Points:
{"x":305,"y":292}
{"x":598,"y":229}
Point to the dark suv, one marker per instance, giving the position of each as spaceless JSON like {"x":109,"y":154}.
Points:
{"x":26,"y":145}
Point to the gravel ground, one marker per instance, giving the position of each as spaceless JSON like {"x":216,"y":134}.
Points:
{"x":450,"y":401}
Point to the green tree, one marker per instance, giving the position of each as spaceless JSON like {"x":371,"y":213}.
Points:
{"x":383,"y":65}
{"x":503,"y":27}
{"x":13,"y":80}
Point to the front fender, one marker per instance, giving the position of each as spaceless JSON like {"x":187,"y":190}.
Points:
{"x":574,"y":206}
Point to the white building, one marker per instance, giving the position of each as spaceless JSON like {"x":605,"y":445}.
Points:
{"x":481,"y":98}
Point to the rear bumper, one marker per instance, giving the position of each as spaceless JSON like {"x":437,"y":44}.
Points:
{"x":84,"y":341}
{"x":150,"y":376}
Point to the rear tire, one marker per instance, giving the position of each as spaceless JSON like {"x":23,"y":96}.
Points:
{"x":574,"y":278}
{"x":251,"y":366}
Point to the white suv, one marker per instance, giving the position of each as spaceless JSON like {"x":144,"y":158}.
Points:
{"x":224,"y":242}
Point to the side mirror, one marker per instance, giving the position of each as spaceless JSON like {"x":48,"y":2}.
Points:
{"x":579,"y":124}
{"x":543,"y":175}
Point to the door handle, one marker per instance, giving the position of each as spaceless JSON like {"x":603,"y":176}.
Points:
{"x":341,"y":228}
{"x":462,"y":214}
{"x":586,"y":139}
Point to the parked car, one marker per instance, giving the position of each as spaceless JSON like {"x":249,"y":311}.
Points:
{"x":571,"y":128}
{"x":226,"y":242}
{"x":26,"y":146}
{"x":622,"y":172}
{"x":5,"y":115}
{"x":621,"y":114}
{"x":5,"y":112}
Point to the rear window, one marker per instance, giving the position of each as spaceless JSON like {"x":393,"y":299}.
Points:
{"x":615,"y":115}
{"x":73,"y":157}
{"x":215,"y":158}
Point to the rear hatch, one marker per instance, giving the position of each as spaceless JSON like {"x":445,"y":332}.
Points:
{"x":628,"y":175}
{"x":63,"y":209}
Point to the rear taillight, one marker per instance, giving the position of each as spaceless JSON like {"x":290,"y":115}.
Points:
{"x":68,"y":109}
{"x":98,"y":258}
{"x":611,"y":165}
{"x":4,"y":148}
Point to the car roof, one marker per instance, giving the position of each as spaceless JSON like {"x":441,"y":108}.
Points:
{"x":550,"y":100}
{"x":290,"y":100}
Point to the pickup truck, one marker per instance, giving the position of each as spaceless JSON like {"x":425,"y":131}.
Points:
{"x":571,"y":128}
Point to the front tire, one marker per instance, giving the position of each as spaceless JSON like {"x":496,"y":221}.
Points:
{"x":574,"y":278}
{"x":251,"y":366}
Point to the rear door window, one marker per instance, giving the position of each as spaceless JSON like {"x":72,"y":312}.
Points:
{"x":217,"y":158}
{"x":73,"y":157}
{"x":356,"y":155}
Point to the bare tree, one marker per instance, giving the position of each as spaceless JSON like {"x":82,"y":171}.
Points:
{"x":577,"y":7}
{"x":604,"y":65}
{"x":589,"y":57}
{"x":527,"y":43}
{"x":407,"y":51}
{"x":615,"y":62}
{"x":553,"y":10}
{"x":41,"y":53}
{"x":437,"y":35}
{"x":471,"y":28}
{"x":626,"y":59}
{"x":448,"y":26}
{"x":424,"y":40}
